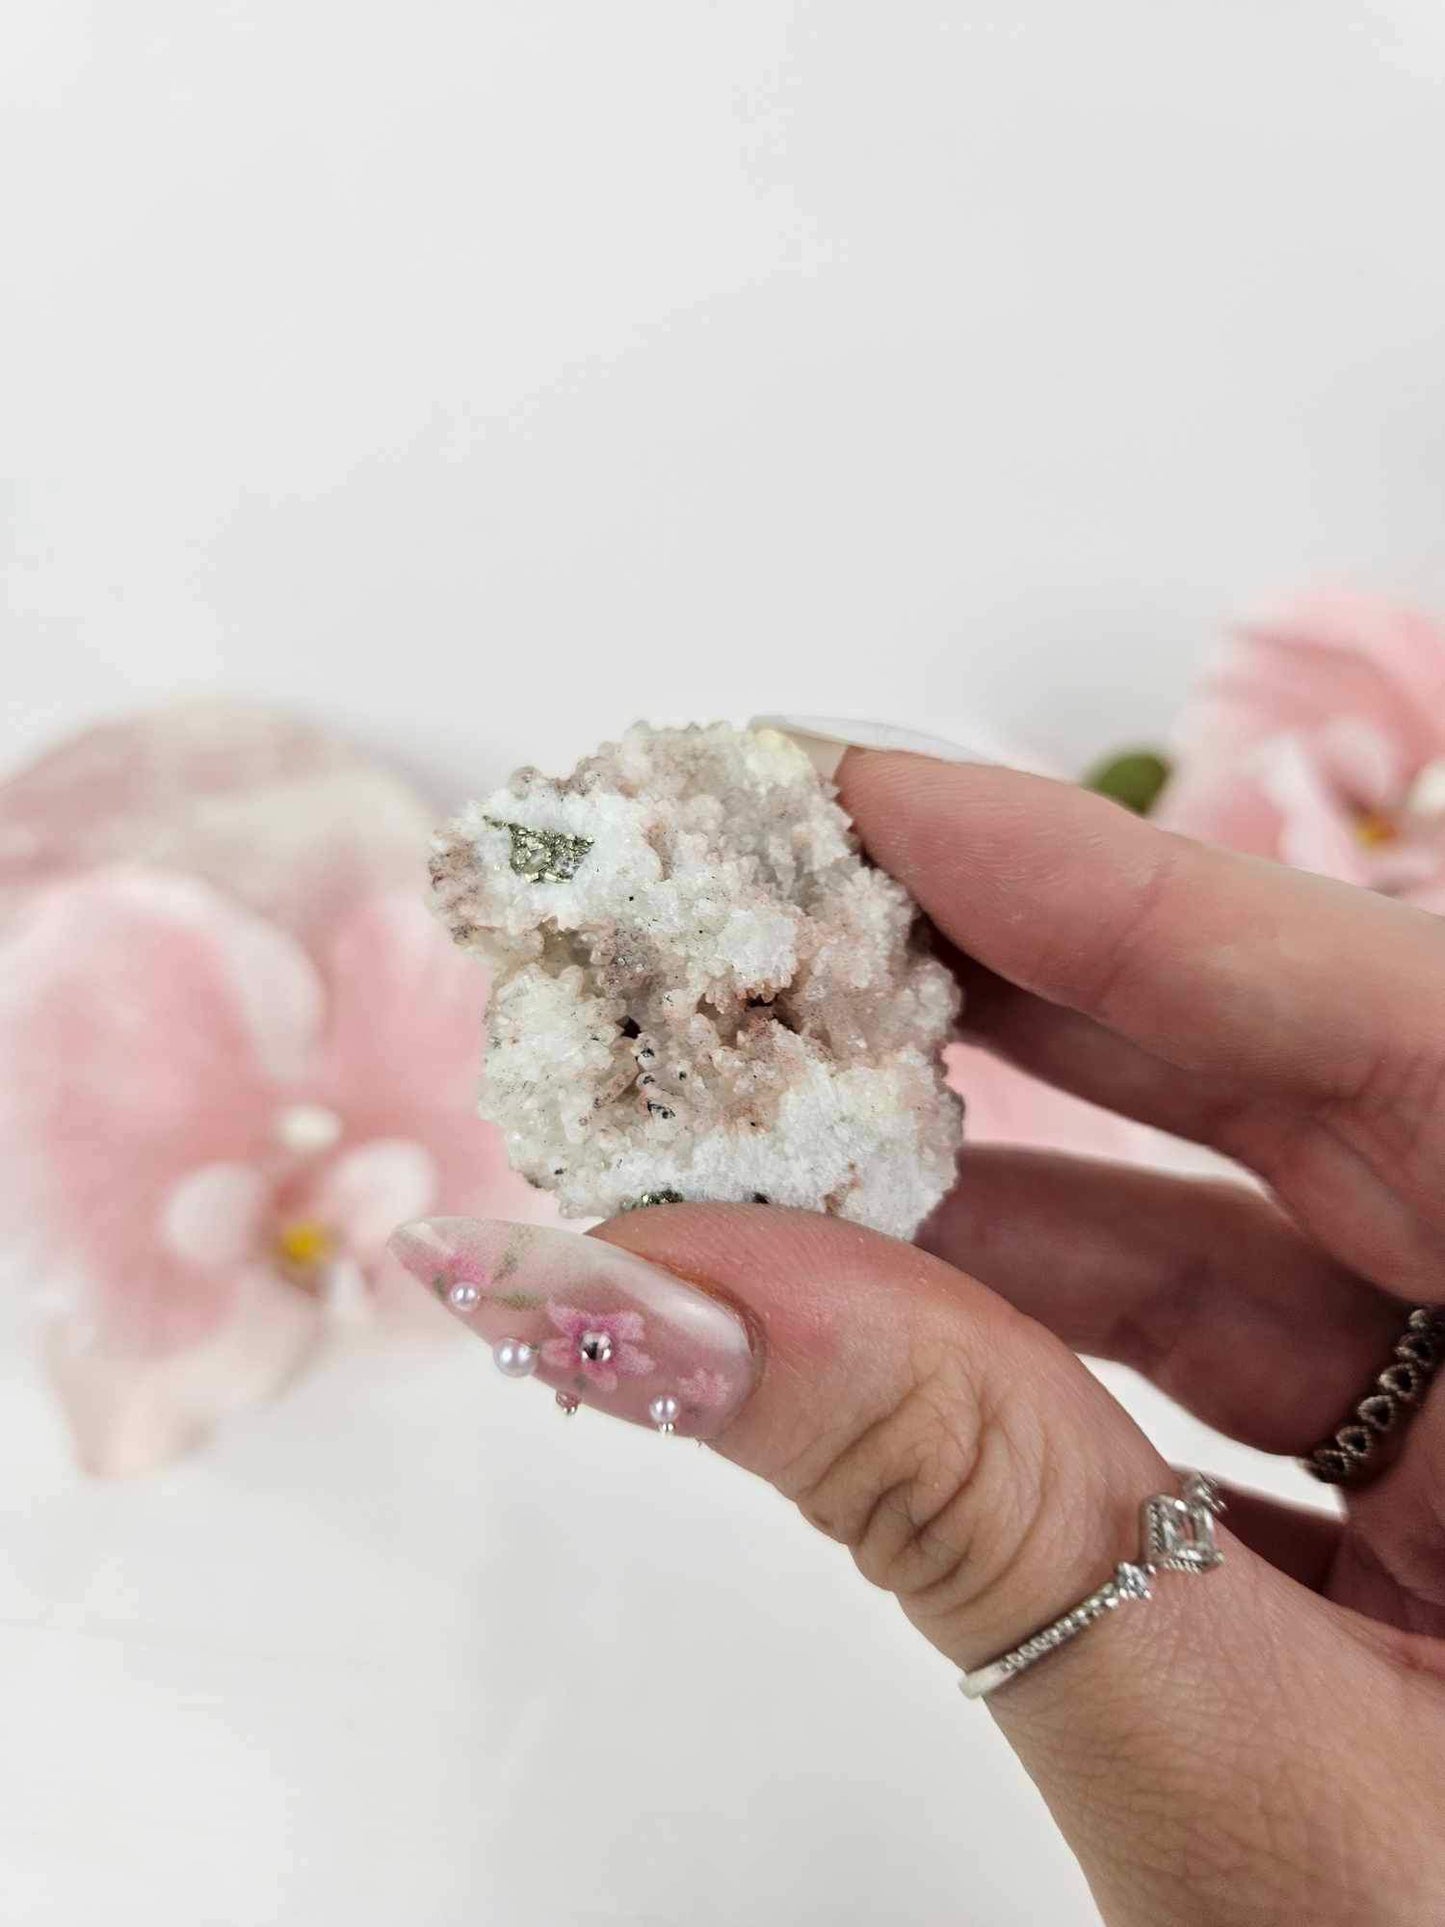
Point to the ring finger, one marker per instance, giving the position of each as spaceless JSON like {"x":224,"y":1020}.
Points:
{"x":1209,"y":1291}
{"x":1200,"y":1284}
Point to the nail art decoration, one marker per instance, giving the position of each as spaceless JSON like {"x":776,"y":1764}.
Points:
{"x":513,"y":1357}
{"x":602,"y":1347}
{"x":665,"y":1411}
{"x":596,"y":1324}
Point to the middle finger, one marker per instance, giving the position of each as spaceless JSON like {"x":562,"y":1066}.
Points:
{"x":1200,"y":1284}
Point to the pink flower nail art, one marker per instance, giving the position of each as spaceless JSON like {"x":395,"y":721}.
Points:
{"x":597,"y":1324}
{"x":703,"y":1389}
{"x":603,"y":1347}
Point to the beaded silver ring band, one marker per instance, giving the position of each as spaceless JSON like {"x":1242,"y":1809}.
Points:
{"x":1359,"y":1450}
{"x":1175,"y":1535}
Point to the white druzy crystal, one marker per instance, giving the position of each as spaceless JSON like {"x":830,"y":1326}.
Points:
{"x":700,"y":990}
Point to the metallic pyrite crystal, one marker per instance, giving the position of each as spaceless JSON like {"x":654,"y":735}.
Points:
{"x":543,"y":856}
{"x":700,"y":989}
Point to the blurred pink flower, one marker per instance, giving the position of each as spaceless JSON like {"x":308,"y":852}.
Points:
{"x":277,"y":814}
{"x":1320,"y":740}
{"x":235,"y":1050}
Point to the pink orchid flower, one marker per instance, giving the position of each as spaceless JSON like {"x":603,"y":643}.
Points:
{"x":600,"y":1347}
{"x":211,"y":1118}
{"x":1320,"y":741}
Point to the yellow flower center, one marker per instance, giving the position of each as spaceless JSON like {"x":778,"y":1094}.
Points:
{"x":1374,"y":828}
{"x":305,"y":1245}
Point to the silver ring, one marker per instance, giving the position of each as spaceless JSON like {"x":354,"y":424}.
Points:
{"x":1175,"y":1535}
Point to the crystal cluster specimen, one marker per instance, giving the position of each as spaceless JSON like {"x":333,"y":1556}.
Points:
{"x":700,"y":989}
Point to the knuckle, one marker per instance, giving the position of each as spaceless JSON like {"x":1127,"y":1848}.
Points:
{"x":938,"y":1495}
{"x":1394,"y":1115}
{"x":1098,"y":975}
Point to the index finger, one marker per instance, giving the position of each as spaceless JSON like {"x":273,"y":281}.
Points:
{"x":1317,"y":1009}
{"x":1217,"y":962}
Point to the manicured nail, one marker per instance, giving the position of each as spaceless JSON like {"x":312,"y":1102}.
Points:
{"x":825,"y":738}
{"x":596,"y":1324}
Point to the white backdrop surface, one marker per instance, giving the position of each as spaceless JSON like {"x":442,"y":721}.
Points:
{"x":478,"y":377}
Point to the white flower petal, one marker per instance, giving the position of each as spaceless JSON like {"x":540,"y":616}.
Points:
{"x":1427,"y":792}
{"x":371,"y":1190}
{"x":129,"y":1415}
{"x":214,"y":1215}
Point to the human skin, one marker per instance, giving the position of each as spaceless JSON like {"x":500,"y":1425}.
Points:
{"x":1265,"y":1744}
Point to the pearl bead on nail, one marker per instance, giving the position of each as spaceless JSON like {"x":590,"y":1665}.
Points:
{"x":664,"y":1412}
{"x":463,"y":1296}
{"x":514,"y":1358}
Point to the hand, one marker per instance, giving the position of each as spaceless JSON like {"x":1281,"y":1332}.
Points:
{"x":1267,"y":1744}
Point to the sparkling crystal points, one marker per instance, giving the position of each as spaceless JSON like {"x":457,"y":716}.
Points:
{"x":1132,"y":1581}
{"x":602,"y":913}
{"x":647,"y":1198}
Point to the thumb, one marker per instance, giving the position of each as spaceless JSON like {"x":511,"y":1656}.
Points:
{"x":973,"y":1468}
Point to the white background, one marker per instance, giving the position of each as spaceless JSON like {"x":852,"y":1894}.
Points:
{"x":480,"y":376}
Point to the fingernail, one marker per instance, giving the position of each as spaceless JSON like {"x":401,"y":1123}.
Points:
{"x":826,"y":738}
{"x":596,"y":1324}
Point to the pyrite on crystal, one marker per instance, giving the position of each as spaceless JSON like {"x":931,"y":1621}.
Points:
{"x":700,"y":990}
{"x":543,"y":856}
